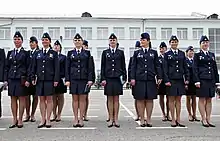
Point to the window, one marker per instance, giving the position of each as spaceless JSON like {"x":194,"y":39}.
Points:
{"x":119,"y":32}
{"x":23,"y":31}
{"x":86,"y":33}
{"x":197,"y":33}
{"x":69,"y":32}
{"x":182,"y":33}
{"x":37,"y":32}
{"x":134,"y":33}
{"x":99,"y":51}
{"x":5,"y":33}
{"x":214,"y":37}
{"x":152,"y":32}
{"x":102,"y":33}
{"x":54,"y":32}
{"x":166,"y":33}
{"x":131,"y":49}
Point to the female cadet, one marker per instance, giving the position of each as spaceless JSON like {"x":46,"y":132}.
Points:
{"x":58,"y":97}
{"x":79,"y":77}
{"x":176,"y":76}
{"x":144,"y":70}
{"x":113,"y":77}
{"x":45,"y":74}
{"x":17,"y":78}
{"x":162,"y":86}
{"x":137,"y":45}
{"x":2,"y":72}
{"x":85,"y":47}
{"x":191,"y":88}
{"x":206,"y":76}
{"x":31,"y":90}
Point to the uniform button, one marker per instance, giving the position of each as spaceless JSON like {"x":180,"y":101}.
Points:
{"x":209,"y":63}
{"x":209,"y":72}
{"x":42,"y":71}
{"x":43,"y":61}
{"x":78,"y":66}
{"x":145,"y":66}
{"x":15,"y":66}
{"x":177,"y":70}
{"x":113,"y":60}
{"x":78,"y":70}
{"x":78,"y":60}
{"x":177,"y":61}
{"x":14,"y":61}
{"x":14,"y":70}
{"x":43,"y":66}
{"x":177,"y":66}
{"x":209,"y":67}
{"x":113,"y":65}
{"x":113,"y":69}
{"x":145,"y":71}
{"x":145,"y":60}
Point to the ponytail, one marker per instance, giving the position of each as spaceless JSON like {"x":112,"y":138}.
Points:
{"x":150,"y":46}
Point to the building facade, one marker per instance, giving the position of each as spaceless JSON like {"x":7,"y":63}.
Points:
{"x":97,"y":30}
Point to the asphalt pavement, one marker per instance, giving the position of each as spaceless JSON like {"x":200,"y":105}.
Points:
{"x":96,"y":128}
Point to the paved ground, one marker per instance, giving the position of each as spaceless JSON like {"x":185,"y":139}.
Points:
{"x":96,"y":129}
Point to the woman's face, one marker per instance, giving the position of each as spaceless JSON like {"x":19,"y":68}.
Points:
{"x":174,"y":44}
{"x":190,"y":53}
{"x":33,"y":45}
{"x":113,"y":42}
{"x":78,"y":42}
{"x":204,"y":45}
{"x":18,"y":42}
{"x":45,"y":42}
{"x":144,"y":42}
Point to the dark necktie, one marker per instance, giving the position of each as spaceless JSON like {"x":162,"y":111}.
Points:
{"x":16,"y":52}
{"x":175,"y":53}
{"x":78,"y":52}
{"x":45,"y":52}
{"x":113,"y":51}
{"x":31,"y":52}
{"x":145,"y":51}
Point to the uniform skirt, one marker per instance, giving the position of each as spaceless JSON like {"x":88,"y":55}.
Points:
{"x":45,"y":88}
{"x":113,"y":87}
{"x":206,"y":90}
{"x":145,"y":90}
{"x":61,"y":88}
{"x":77,"y":87}
{"x":15,"y":88}
{"x":177,"y":88}
{"x":162,"y":89}
{"x":191,"y":89}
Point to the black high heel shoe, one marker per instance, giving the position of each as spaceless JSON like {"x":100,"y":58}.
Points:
{"x":42,"y":125}
{"x":14,"y":125}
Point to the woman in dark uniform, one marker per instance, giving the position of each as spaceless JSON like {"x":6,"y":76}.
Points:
{"x":79,"y":77}
{"x":137,"y":45}
{"x":86,"y":47}
{"x":58,"y":97}
{"x":45,"y":74}
{"x":191,"y":88}
{"x":176,"y":77}
{"x":2,"y":72}
{"x":17,"y":78}
{"x":31,"y":90}
{"x":113,"y":77}
{"x":206,"y":77}
{"x":145,"y":71}
{"x":162,"y":87}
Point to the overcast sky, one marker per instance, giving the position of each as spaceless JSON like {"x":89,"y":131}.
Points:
{"x":148,"y":7}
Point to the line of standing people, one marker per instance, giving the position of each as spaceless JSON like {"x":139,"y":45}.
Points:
{"x":47,"y":73}
{"x":178,"y":74}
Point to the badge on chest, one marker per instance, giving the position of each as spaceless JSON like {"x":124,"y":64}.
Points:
{"x":140,"y":55}
{"x":51,"y":55}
